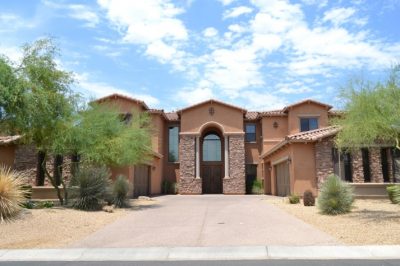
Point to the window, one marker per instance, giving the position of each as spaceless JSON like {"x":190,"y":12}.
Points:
{"x":366,"y":168}
{"x":307,"y":124}
{"x":342,"y":165}
{"x":211,"y":148}
{"x":250,"y":132}
{"x":173,"y":144}
{"x":385,"y":165}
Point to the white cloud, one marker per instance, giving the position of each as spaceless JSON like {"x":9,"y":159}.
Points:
{"x":11,"y":52}
{"x":237,"y":11}
{"x":262,"y":101}
{"x":194,"y":95}
{"x":210,"y":32}
{"x":236,"y":28}
{"x":11,"y":22}
{"x":295,"y":87}
{"x":100,"y":89}
{"x":152,"y":24}
{"x":144,"y":22}
{"x":76,"y":11}
{"x":82,"y":12}
{"x":226,"y":2}
{"x":339,"y":16}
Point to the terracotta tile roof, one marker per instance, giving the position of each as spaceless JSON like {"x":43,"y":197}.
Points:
{"x":313,"y":135}
{"x":307,"y":101}
{"x":273,"y":113}
{"x":155,"y":111}
{"x":308,"y":136}
{"x":117,"y":95}
{"x":8,"y":139}
{"x":336,"y":112}
{"x":251,"y":116}
{"x":172,"y":116}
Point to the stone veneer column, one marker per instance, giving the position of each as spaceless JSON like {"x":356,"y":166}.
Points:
{"x":188,"y":183}
{"x":197,"y":157}
{"x":357,"y":166}
{"x":226,"y":154}
{"x":323,"y":160}
{"x":376,"y":165}
{"x":236,"y":183}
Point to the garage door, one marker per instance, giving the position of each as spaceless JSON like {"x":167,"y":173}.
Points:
{"x":282,"y":179}
{"x":141,"y":182}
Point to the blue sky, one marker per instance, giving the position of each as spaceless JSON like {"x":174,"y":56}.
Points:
{"x":259,"y":54}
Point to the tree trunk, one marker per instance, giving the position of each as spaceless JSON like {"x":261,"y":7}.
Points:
{"x":41,"y":164}
{"x":75,"y":159}
{"x":58,"y":161}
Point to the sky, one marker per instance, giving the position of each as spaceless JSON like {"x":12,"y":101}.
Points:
{"x":257,"y":54}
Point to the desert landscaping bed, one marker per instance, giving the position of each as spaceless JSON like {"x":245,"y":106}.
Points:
{"x":371,"y":221}
{"x":58,"y":227}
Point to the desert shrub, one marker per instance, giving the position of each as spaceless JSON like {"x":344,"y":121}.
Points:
{"x":120,"y":192}
{"x":294,"y":199}
{"x":12,"y":196}
{"x":308,"y":198}
{"x":174,"y":188}
{"x":46,"y":204}
{"x":28,"y":204}
{"x":394,"y":193}
{"x":166,"y":186}
{"x":92,"y":188}
{"x":257,"y":187}
{"x":335,"y":197}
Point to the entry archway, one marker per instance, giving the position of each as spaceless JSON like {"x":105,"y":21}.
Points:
{"x":212,"y":161}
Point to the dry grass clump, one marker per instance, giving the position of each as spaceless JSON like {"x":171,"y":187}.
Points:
{"x":12,"y":195}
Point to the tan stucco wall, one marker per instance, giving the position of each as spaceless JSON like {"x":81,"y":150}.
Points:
{"x":230,"y":118}
{"x":253,"y":149}
{"x":272,"y":136}
{"x":156,"y":176}
{"x":306,"y":110}
{"x":7,"y":155}
{"x":157,"y":138}
{"x":303,"y":161}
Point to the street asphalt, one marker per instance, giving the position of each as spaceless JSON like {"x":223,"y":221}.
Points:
{"x":214,"y":263}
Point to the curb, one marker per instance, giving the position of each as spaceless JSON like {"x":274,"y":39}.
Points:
{"x":203,"y":253}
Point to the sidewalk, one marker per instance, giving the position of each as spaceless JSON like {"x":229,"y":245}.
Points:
{"x":202,"y":253}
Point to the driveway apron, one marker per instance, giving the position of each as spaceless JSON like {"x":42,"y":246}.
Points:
{"x":207,"y":220}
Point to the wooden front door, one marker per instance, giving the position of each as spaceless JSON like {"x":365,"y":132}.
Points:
{"x":141,"y":184}
{"x":212,"y":178}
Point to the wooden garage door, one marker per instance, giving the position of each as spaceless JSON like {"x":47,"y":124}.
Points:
{"x":282,"y":179}
{"x":141,"y":182}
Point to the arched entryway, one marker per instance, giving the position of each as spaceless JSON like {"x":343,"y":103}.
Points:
{"x":212,"y":161}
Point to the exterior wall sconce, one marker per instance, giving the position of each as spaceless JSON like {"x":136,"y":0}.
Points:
{"x":275,"y":124}
{"x":289,"y":160}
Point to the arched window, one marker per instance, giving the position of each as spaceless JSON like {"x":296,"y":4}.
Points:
{"x":211,"y":148}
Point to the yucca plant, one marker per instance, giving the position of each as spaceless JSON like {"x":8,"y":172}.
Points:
{"x":336,"y":196}
{"x":120,"y":192}
{"x":12,"y":195}
{"x":91,"y":188}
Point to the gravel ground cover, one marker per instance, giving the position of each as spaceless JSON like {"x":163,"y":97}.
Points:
{"x":58,"y":227}
{"x":371,"y":222}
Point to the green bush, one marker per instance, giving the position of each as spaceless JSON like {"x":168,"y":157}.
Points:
{"x":257,"y":187}
{"x":28,"y":204}
{"x":394,"y":193}
{"x":46,"y":204}
{"x":335,"y":197}
{"x":294,"y":199}
{"x":120,"y":192}
{"x":12,"y":196}
{"x":169,"y":187}
{"x":308,"y":198}
{"x":174,"y":188}
{"x":92,"y":188}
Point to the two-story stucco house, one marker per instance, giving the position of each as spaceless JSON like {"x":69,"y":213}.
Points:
{"x":216,"y":147}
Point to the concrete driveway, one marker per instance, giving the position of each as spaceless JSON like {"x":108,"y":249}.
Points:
{"x":207,"y":220}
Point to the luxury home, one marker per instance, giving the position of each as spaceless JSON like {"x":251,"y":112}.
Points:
{"x":215,"y":147}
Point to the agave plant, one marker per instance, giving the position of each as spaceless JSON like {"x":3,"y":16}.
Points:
{"x":12,"y":194}
{"x":120,"y":191}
